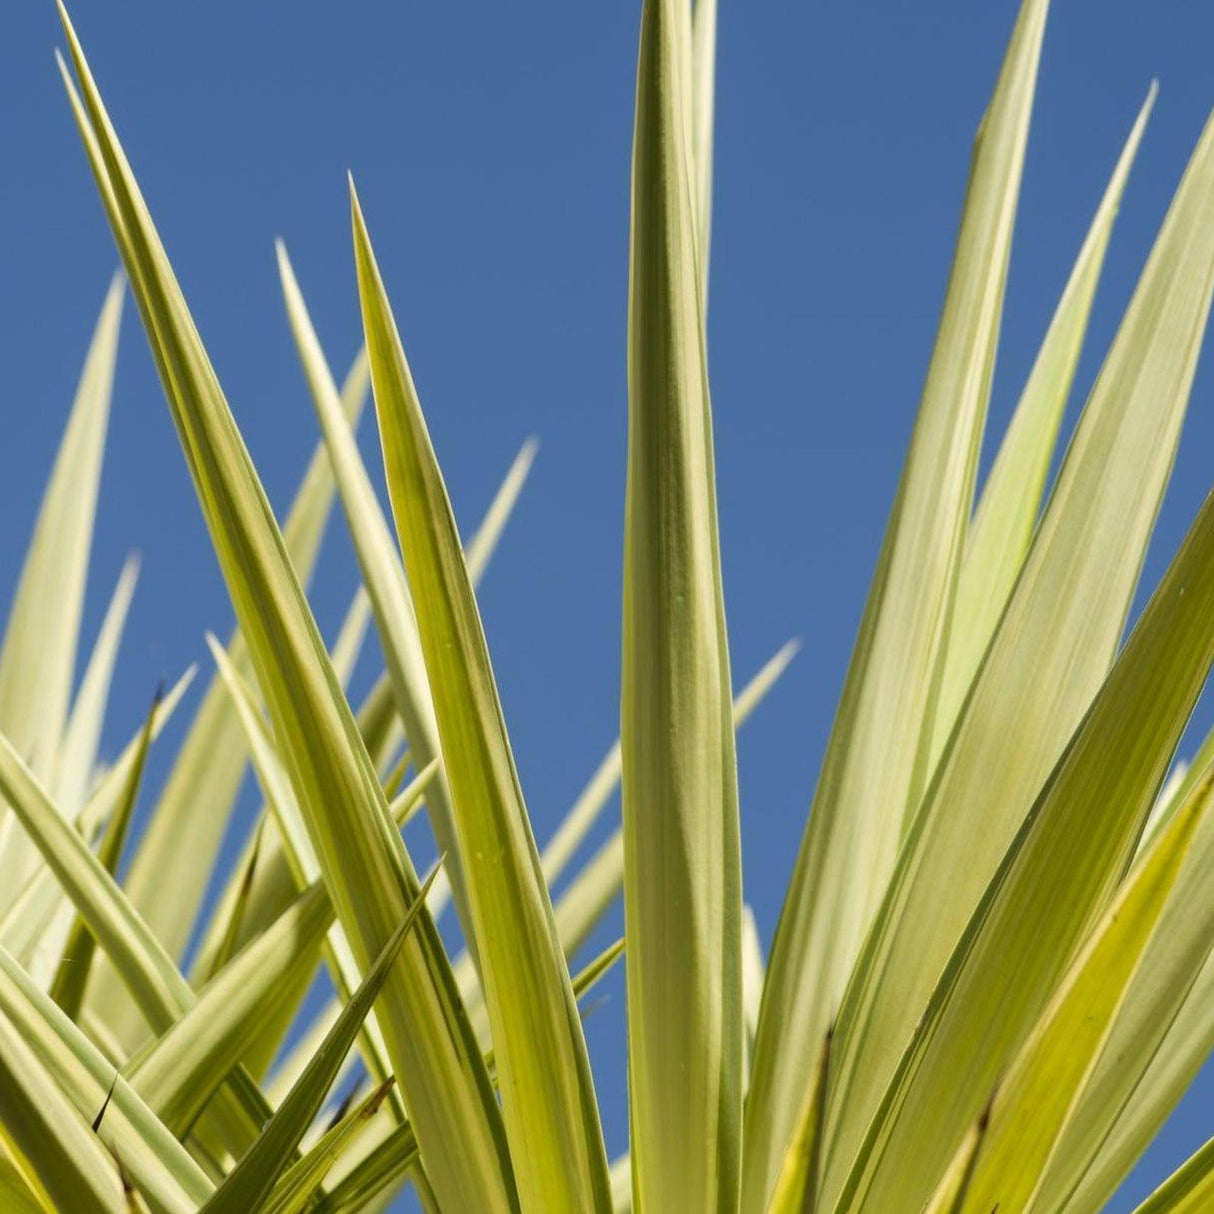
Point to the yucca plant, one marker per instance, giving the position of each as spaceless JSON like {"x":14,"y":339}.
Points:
{"x":992,"y":978}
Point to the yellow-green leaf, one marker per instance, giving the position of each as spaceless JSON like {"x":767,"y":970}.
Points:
{"x":875,"y":765}
{"x":156,"y":1161}
{"x":368,"y":872}
{"x":796,"y":1188}
{"x":1039,"y":1091}
{"x":1051,"y":650}
{"x":254,"y":1176}
{"x":1011,"y":498}
{"x":1049,"y":889}
{"x":1189,"y":1190}
{"x":44,"y":1131}
{"x":682,"y":857}
{"x":548,"y":1102}
{"x":38,"y":656}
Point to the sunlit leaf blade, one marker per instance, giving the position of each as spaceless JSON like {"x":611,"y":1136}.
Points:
{"x":392,"y":1158}
{"x":753,"y":970}
{"x":586,"y":899}
{"x":1011,"y":497}
{"x":78,"y":755}
{"x":598,"y":968}
{"x":254,"y":1176}
{"x":67,"y":989}
{"x":1184,"y":1049}
{"x":1064,"y":864}
{"x":260,"y":884}
{"x":796,"y":1188}
{"x":160,"y":1166}
{"x":682,"y":856}
{"x":168,"y":874}
{"x":1039,"y":1089}
{"x":149,"y":973}
{"x":1163,"y":1031}
{"x":621,"y":1184}
{"x":180,"y":1071}
{"x":1189,"y":1190}
{"x":45,"y":1132}
{"x":383,"y":575}
{"x":1052,"y":649}
{"x":162,"y":992}
{"x":703,"y":84}
{"x":38,"y":656}
{"x":297,"y":850}
{"x":296,"y":1057}
{"x":369,"y":874}
{"x":548,"y":1102}
{"x":167,"y":880}
{"x":875,"y":764}
{"x":480,"y":548}
{"x":585,"y":811}
{"x":297,"y":1187}
{"x":382,"y":1169}
{"x":24,"y":927}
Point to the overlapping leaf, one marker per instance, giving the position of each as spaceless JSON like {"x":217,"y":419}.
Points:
{"x":370,"y":877}
{"x":548,"y":1102}
{"x":875,"y":765}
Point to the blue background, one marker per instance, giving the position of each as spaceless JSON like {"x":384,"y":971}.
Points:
{"x":491,"y":146}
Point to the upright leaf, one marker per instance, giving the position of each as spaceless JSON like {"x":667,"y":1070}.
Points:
{"x":383,"y":576}
{"x":369,"y":874}
{"x":1039,"y":1091}
{"x":876,"y":759}
{"x":703,"y":84}
{"x":38,"y":656}
{"x":1162,"y":1033}
{"x":1011,"y":498}
{"x":1061,"y":869}
{"x":170,"y":868}
{"x":682,"y":855}
{"x":78,"y":755}
{"x":1189,"y":1190}
{"x":548,"y":1102}
{"x":67,"y":989}
{"x":162,"y":1168}
{"x":1051,"y":651}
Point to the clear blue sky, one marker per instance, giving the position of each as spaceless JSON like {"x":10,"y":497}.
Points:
{"x":491,"y":146}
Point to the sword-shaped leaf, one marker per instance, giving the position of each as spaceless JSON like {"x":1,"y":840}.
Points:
{"x":298,"y":1187}
{"x":369,"y":874}
{"x":254,"y":1176}
{"x":67,"y":989}
{"x":796,"y":1190}
{"x":1162,"y":1033}
{"x":170,"y":868}
{"x":875,"y":766}
{"x":548,"y":1103}
{"x":1189,"y":1190}
{"x":682,"y":855}
{"x":1039,"y":1091}
{"x":384,"y":578}
{"x":1056,"y":878}
{"x":77,"y":762}
{"x":38,"y":656}
{"x":1011,"y":498}
{"x":1050,"y":653}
